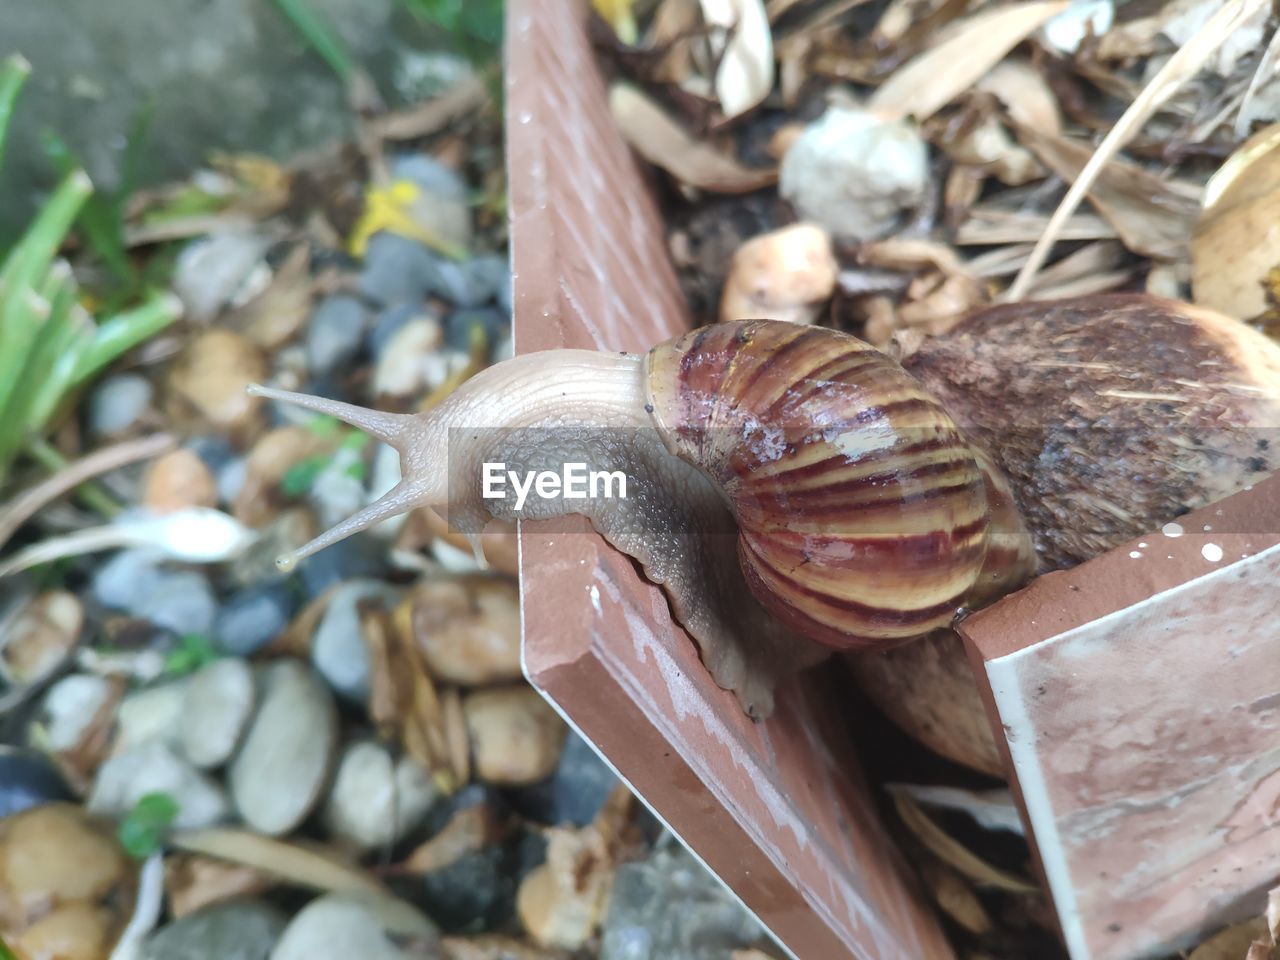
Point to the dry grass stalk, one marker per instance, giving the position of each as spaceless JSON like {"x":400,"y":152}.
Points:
{"x":1180,"y":68}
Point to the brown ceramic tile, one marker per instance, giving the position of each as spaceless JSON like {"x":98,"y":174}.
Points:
{"x":1140,"y":697}
{"x":777,"y":810}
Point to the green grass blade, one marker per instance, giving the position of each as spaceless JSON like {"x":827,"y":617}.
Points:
{"x":25,"y":270}
{"x":125,"y":331}
{"x":13,"y":74}
{"x":101,"y":219}
{"x":17,"y":425}
{"x":74,"y":341}
{"x":317,"y":33}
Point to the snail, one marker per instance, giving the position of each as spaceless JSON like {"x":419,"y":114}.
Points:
{"x":796,"y":491}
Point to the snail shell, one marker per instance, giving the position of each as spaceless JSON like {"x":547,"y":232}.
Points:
{"x":864,"y":515}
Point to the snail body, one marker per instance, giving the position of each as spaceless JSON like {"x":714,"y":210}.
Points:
{"x":860,"y":501}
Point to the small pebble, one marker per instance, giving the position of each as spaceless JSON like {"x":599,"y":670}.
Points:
{"x":391,"y":320}
{"x":211,"y":271}
{"x":219,"y":703}
{"x":69,"y":707}
{"x":252,"y":618}
{"x":472,"y":891}
{"x":402,"y":368}
{"x":28,"y":780}
{"x":153,"y":767}
{"x":429,"y":174}
{"x":213,"y":449}
{"x":468,"y":629}
{"x":516,"y":737}
{"x":42,"y":637}
{"x":338,"y":649}
{"x":281,"y":769}
{"x":118,"y":403}
{"x":575,"y":794}
{"x":151,"y":714}
{"x":355,"y":557}
{"x":231,"y":478}
{"x":183,"y":602}
{"x":376,"y":801}
{"x":493,"y":272}
{"x":76,"y":931}
{"x":178,"y":480}
{"x":493,"y":322}
{"x":236,"y":930}
{"x":458,"y":285}
{"x":126,"y":579}
{"x":58,"y":853}
{"x":397,"y":270}
{"x":334,"y":334}
{"x":345,"y":925}
{"x":338,"y":491}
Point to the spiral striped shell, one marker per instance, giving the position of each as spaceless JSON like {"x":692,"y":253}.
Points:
{"x":863,"y":514}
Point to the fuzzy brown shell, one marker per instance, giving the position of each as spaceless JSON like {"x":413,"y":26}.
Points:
{"x":1109,"y":415}
{"x":862,"y":513}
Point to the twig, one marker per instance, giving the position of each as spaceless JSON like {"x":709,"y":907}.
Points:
{"x":90,"y":494}
{"x":15,"y":513}
{"x":464,"y":97}
{"x":1180,"y":68}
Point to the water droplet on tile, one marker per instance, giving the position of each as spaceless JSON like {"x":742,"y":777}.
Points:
{"x":1172,"y":530}
{"x":526,"y":116}
{"x":1211,"y":552}
{"x":1135,"y":554}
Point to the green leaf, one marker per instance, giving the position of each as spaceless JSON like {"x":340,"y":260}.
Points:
{"x":143,"y":829}
{"x":194,"y":651}
{"x":121,"y":333}
{"x":5,"y":952}
{"x":24,"y":271}
{"x":320,"y":37}
{"x":299,"y":478}
{"x":324,"y":425}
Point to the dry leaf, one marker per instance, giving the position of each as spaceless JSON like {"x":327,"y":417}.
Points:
{"x":1176,"y":71}
{"x":1235,"y":245}
{"x":975,"y":45}
{"x":743,"y":44}
{"x":79,"y":764}
{"x":1232,"y":943}
{"x":956,"y":899}
{"x":193,"y":882}
{"x":311,"y":866}
{"x":954,"y":854}
{"x":275,"y":316}
{"x":1153,"y":216}
{"x":1025,"y":94}
{"x":662,"y":141}
{"x":990,"y":809}
{"x":990,"y":224}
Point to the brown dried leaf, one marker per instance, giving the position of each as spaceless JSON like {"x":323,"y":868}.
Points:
{"x":1024,"y":93}
{"x":953,"y":853}
{"x":193,"y":882}
{"x":1232,"y":943}
{"x":276,"y":315}
{"x":258,"y":499}
{"x":455,"y":734}
{"x":79,"y":764}
{"x":956,"y":898}
{"x":1234,"y":245}
{"x":311,"y":866}
{"x":1152,"y":215}
{"x":662,"y":141}
{"x":936,"y":77}
{"x":990,"y":224}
